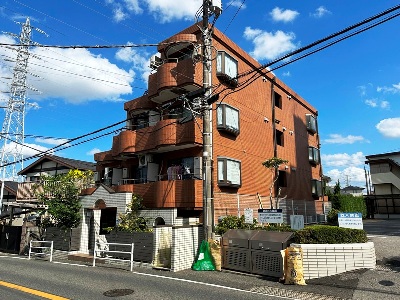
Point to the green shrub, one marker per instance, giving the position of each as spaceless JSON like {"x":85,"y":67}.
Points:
{"x":350,"y":203}
{"x":325,"y":234}
{"x":234,"y":222}
{"x":332,"y":217}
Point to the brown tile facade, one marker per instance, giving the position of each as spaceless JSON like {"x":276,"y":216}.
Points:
{"x":260,"y":118}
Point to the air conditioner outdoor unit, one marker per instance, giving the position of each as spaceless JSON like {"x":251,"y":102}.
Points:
{"x":155,"y":61}
{"x":96,"y":176}
{"x":145,"y":159}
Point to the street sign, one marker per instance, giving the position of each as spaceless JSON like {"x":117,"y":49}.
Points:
{"x":350,"y":220}
{"x":270,"y":216}
{"x":248,"y":216}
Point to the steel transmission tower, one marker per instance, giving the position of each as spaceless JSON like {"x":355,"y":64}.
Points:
{"x":12,"y":132}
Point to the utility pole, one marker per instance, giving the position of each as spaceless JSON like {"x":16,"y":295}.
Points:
{"x":208,"y":211}
{"x":12,"y":132}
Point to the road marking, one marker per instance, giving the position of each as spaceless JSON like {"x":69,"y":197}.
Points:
{"x":32,"y":291}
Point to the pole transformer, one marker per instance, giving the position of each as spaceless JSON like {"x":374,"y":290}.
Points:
{"x":12,"y":132}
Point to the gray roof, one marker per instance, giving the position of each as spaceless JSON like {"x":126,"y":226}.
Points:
{"x":68,"y":162}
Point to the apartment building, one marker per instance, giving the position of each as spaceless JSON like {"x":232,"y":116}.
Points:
{"x":257,"y":117}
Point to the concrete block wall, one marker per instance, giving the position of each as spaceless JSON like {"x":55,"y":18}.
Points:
{"x":320,"y":260}
{"x":186,"y":241}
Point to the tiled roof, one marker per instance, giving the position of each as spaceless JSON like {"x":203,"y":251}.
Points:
{"x":68,"y":162}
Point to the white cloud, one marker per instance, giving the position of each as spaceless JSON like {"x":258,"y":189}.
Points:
{"x":371,"y":102}
{"x":237,"y":3}
{"x":170,"y":10}
{"x":389,"y":127}
{"x":77,"y":75}
{"x":268,"y":45}
{"x":93,"y":151}
{"x":339,"y":139}
{"x":385,"y":105}
{"x":286,"y":74}
{"x":133,"y":6}
{"x":394,"y":89}
{"x":320,"y":12}
{"x":343,"y":159}
{"x":139,"y":60}
{"x":349,"y":176}
{"x":285,"y":16}
{"x":74,"y":75}
{"x":52,"y":141}
{"x":119,"y":14}
{"x":27,"y":150}
{"x":375,"y":103}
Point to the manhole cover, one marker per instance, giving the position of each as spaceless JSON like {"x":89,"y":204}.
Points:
{"x":386,"y":282}
{"x":118,"y":292}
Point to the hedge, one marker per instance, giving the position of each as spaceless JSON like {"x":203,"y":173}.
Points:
{"x":325,"y":234}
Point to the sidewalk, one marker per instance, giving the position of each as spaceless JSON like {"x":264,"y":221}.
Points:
{"x":380,"y":283}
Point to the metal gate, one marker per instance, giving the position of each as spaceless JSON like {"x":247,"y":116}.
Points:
{"x":10,"y":238}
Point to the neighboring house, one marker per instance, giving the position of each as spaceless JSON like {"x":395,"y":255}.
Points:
{"x":159,"y":155}
{"x":385,"y":173}
{"x":9,"y":195}
{"x":19,"y":198}
{"x":47,"y":165}
{"x":352,"y":190}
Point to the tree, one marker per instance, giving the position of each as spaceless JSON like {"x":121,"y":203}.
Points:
{"x":273,"y":165}
{"x":60,"y":195}
{"x":131,"y":221}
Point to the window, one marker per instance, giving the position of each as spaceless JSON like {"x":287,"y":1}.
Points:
{"x":316,"y":188}
{"x":228,"y":119}
{"x":311,"y":123}
{"x":227,"y":68}
{"x":279,"y":137}
{"x":278,"y":100}
{"x":282,"y":181}
{"x":313,"y":155}
{"x":229,"y":172}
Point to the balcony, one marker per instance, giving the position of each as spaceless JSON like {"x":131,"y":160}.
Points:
{"x":173,"y":79}
{"x":141,"y":103}
{"x":171,"y":194}
{"x":156,"y":138}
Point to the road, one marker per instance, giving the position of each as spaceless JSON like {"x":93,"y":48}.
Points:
{"x":81,"y":282}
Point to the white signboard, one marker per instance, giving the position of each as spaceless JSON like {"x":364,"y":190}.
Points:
{"x":270,"y":216}
{"x":296,"y":222}
{"x":350,"y":220}
{"x":248,"y":216}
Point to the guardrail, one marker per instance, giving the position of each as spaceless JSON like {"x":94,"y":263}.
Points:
{"x":106,"y":250}
{"x":44,"y":250}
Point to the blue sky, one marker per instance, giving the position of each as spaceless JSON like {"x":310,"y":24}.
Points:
{"x":355,"y":84}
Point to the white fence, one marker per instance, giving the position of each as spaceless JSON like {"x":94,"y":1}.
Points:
{"x":102,"y":251}
{"x":44,"y":248}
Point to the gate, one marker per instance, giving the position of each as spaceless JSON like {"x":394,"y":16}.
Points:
{"x":10,"y":238}
{"x":388,"y":205}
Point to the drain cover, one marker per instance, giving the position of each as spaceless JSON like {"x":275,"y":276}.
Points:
{"x":118,"y":292}
{"x":386,"y":282}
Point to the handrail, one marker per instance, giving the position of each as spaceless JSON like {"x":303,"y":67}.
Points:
{"x":41,"y":247}
{"x":106,"y":250}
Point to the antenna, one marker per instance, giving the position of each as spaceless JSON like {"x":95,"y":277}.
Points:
{"x":12,"y":132}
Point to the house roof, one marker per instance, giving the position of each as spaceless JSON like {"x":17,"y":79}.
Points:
{"x":11,"y":186}
{"x":352,"y":188}
{"x":384,"y":155}
{"x":67,"y":162}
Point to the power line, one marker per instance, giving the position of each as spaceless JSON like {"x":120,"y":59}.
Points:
{"x":260,"y":70}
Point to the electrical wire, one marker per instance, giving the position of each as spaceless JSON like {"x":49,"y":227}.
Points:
{"x":260,"y":70}
{"x":237,"y":11}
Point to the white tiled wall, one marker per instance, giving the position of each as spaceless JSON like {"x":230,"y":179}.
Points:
{"x":320,"y":260}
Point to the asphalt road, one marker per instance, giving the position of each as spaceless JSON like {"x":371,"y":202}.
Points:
{"x":85,"y":282}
